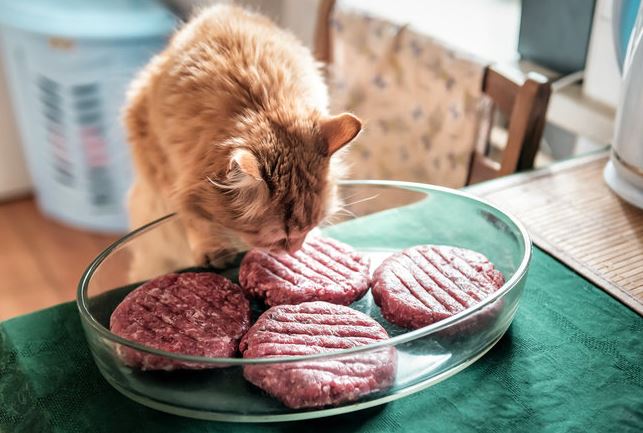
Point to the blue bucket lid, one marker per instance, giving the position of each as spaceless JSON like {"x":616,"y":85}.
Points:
{"x":105,"y":19}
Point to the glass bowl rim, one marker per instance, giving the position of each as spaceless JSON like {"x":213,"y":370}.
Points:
{"x":87,"y":317}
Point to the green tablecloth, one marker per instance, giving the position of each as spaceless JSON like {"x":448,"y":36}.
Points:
{"x":571,"y":362}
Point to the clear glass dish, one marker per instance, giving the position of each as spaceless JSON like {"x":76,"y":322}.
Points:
{"x":383,"y":217}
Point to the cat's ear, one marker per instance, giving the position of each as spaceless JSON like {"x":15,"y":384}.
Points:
{"x":243,"y":162}
{"x":339,"y":130}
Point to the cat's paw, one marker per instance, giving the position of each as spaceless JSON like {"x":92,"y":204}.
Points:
{"x":219,"y":259}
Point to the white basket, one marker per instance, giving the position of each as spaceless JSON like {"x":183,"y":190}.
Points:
{"x":67,"y":93}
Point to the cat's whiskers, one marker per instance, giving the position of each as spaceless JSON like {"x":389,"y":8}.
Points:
{"x":334,"y":218}
{"x":344,"y":211}
{"x":360,"y":200}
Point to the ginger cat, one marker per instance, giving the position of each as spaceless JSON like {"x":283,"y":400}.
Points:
{"x":229,"y":128}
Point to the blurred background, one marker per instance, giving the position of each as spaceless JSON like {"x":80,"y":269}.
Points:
{"x":65,"y":65}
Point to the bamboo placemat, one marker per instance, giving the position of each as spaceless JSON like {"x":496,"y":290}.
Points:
{"x":571,"y":213}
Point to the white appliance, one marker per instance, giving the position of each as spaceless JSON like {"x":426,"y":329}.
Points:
{"x":624,"y":172}
{"x":602,"y":77}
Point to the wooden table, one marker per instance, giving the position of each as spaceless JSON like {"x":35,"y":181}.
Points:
{"x":570,"y":362}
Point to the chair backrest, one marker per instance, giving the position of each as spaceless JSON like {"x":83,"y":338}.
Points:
{"x":322,"y":39}
{"x":522,"y":100}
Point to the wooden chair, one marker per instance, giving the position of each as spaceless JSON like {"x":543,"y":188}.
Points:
{"x":522,"y":100}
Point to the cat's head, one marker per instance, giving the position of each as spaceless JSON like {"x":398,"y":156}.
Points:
{"x":279,"y":181}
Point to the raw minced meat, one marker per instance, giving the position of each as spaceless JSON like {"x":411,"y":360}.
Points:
{"x":202,"y":314}
{"x":322,"y":270}
{"x":311,"y":328}
{"x":424,"y":284}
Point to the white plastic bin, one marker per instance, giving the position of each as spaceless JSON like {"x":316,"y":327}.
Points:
{"x":68,"y":66}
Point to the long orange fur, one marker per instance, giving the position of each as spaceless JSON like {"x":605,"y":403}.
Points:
{"x":229,"y":128}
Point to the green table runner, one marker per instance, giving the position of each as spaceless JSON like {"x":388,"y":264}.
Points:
{"x":571,"y":362}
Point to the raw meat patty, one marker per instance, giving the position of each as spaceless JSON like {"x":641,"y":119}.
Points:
{"x":316,"y":327}
{"x":201,"y":314}
{"x":428,"y":283}
{"x":322,"y":270}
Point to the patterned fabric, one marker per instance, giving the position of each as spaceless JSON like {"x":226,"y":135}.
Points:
{"x":421,"y":102}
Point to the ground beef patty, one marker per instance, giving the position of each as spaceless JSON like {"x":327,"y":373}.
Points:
{"x":191,"y":313}
{"x":322,"y":270}
{"x":428,"y":283}
{"x":316,"y":327}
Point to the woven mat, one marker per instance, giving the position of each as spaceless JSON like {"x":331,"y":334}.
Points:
{"x":572,"y":214}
